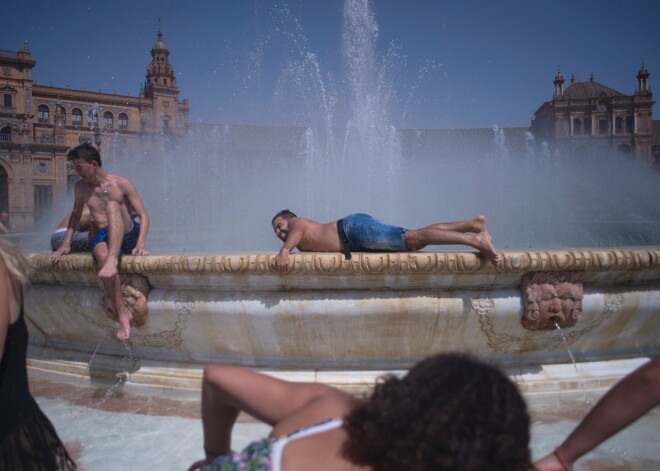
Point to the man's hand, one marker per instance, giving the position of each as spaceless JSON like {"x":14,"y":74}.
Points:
{"x":281,"y":261}
{"x":64,"y":249}
{"x":139,"y":251}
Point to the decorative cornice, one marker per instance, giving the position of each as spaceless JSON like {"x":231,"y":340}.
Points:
{"x":514,"y":262}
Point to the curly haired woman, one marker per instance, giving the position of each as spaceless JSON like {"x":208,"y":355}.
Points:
{"x":450,"y":412}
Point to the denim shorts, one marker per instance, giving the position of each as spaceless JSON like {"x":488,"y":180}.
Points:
{"x":368,"y":234}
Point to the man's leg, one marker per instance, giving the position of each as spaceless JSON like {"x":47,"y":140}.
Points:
{"x":472,"y":233}
{"x":112,"y":288}
{"x":116,"y":231}
{"x":476,"y":224}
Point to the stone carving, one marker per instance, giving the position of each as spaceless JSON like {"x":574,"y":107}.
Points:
{"x":403,"y":262}
{"x":613,"y":301}
{"x":551,"y":300}
{"x":483,"y":305}
{"x":513,"y":341}
{"x":134,"y":289}
{"x":170,"y":338}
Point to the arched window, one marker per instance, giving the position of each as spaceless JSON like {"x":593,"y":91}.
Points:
{"x":107,"y":120}
{"x":123,"y":120}
{"x":43,"y":112}
{"x":618,"y":125}
{"x":577,"y":127}
{"x":76,"y":117}
{"x":5,"y":134}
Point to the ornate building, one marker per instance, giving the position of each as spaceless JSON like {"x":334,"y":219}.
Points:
{"x":588,"y":118}
{"x":39,"y":124}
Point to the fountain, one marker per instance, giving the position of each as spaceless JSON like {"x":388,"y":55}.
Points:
{"x":212,"y":296}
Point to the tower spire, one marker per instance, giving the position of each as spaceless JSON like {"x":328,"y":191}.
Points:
{"x":643,"y":80}
{"x":559,"y":84}
{"x":160,"y":73}
{"x":160,"y":89}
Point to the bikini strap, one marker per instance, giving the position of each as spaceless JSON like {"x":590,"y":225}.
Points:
{"x":279,"y":444}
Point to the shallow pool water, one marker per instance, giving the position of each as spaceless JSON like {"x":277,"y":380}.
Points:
{"x":109,"y":430}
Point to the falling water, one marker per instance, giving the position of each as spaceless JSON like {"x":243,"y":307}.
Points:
{"x":218,"y":188}
{"x":121,"y":376}
{"x":530,"y":151}
{"x":570,"y":354}
{"x":499,"y":141}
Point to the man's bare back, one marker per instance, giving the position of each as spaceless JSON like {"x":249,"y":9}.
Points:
{"x":316,"y":237}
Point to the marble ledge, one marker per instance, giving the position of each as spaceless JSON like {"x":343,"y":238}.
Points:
{"x":513,"y":262}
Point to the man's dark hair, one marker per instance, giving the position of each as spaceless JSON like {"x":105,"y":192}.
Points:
{"x":85,"y":151}
{"x":450,"y":412}
{"x":285,"y":213}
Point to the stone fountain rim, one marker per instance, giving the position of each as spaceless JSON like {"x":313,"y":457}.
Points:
{"x":328,"y":263}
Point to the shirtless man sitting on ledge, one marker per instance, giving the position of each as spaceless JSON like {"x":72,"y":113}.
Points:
{"x":363,"y":233}
{"x":112,"y":200}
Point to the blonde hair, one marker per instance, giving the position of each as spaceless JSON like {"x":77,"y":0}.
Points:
{"x":14,"y":260}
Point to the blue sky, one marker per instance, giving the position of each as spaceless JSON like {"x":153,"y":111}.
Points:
{"x":451,"y":64}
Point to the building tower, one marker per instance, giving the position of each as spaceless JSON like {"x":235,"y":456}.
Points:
{"x":161,"y":110}
{"x":643,"y":80}
{"x":643,"y":122}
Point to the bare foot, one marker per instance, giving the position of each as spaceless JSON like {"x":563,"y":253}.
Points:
{"x":484,"y":243}
{"x":478,"y":223}
{"x":109,"y":269}
{"x":123,"y":333}
{"x":125,"y":317}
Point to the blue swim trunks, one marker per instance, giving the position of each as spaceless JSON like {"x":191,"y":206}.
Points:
{"x":127,"y":244}
{"x":367,"y":234}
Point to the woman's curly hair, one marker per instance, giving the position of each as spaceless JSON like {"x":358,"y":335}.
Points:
{"x":450,"y":412}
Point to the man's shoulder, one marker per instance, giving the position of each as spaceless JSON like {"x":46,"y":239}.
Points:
{"x":121,"y":181}
{"x":302,"y":222}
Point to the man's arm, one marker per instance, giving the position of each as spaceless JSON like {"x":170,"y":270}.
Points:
{"x":296,"y":231}
{"x":135,"y":201}
{"x":3,"y":229}
{"x":78,"y":205}
{"x":627,"y":401}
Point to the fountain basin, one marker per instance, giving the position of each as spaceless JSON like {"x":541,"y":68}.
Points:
{"x":344,"y":322}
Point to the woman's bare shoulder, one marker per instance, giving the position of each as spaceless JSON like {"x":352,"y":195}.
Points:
{"x":332,"y":404}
